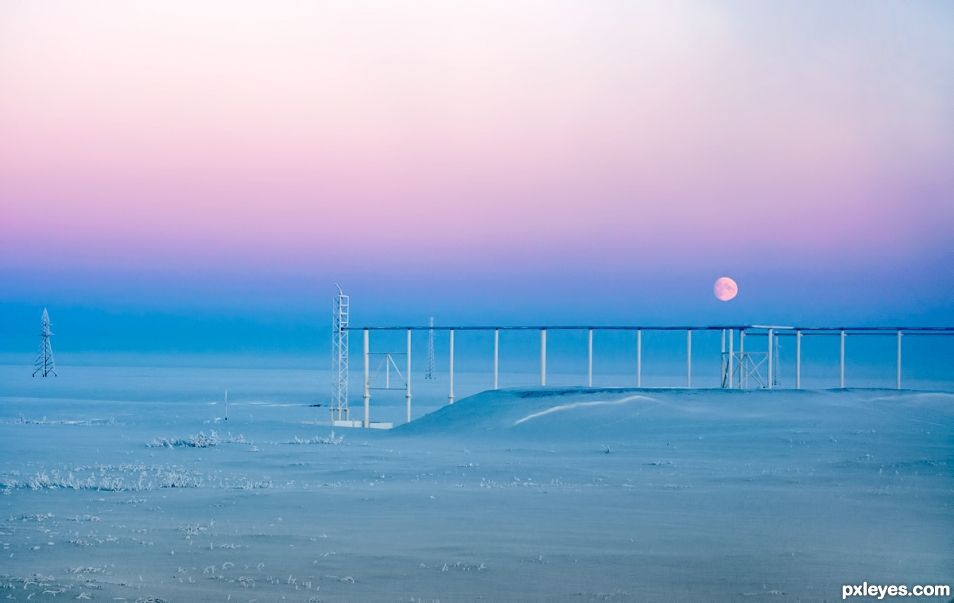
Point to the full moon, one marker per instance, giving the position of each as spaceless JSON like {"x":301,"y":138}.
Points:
{"x":725,"y":289}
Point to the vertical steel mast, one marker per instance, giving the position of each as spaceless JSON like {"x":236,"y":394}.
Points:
{"x":339,"y":358}
{"x":44,"y":364}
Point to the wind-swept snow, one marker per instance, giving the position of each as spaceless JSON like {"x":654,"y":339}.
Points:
{"x":524,"y":494}
{"x":582,"y":405}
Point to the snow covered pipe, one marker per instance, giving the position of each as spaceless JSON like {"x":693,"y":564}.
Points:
{"x":727,"y":351}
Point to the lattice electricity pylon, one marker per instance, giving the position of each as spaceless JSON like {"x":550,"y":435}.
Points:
{"x":386,"y":365}
{"x":340,"y":409}
{"x":746,"y":370}
{"x":44,"y":364}
{"x":430,"y":351}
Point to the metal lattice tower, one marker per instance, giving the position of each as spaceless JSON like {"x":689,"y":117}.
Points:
{"x":44,"y":364}
{"x":340,"y":409}
{"x":430,"y":351}
{"x":744,"y":368}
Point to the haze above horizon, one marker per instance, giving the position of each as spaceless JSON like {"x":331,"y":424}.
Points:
{"x":173,"y":174}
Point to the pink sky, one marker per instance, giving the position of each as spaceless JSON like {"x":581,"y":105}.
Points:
{"x":162,"y":134}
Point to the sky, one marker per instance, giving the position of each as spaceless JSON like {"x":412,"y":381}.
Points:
{"x":196,"y":176}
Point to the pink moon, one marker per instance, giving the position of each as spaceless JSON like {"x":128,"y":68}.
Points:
{"x":725,"y":289}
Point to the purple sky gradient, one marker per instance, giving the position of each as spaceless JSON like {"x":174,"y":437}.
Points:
{"x":569,"y":160}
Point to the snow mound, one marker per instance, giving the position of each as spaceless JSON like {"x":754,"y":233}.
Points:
{"x":629,"y":413}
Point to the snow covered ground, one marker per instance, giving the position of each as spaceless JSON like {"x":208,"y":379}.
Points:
{"x":129,"y":484}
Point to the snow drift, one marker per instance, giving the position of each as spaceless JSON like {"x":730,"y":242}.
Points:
{"x":626,"y":413}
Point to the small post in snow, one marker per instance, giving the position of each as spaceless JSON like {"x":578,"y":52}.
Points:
{"x":367,"y":379}
{"x":899,"y":358}
{"x":689,"y":358}
{"x":543,"y":357}
{"x":589,"y":358}
{"x":450,"y":395}
{"x":639,"y":357}
{"x":731,"y":357}
{"x":798,"y":359}
{"x":407,"y":377}
{"x":841,"y":358}
{"x":496,"y":358}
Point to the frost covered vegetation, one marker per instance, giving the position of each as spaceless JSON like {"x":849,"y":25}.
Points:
{"x":198,"y":440}
{"x":331,"y":439}
{"x":555,"y":494}
{"x":107,"y":478}
{"x":21,"y":420}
